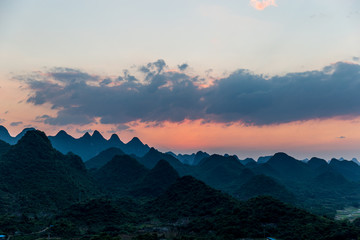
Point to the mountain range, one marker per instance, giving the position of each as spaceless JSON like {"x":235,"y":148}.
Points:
{"x":89,"y":146}
{"x":219,"y":198}
{"x":332,"y":184}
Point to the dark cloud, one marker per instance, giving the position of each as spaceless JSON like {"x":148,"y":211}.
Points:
{"x":105,"y":82}
{"x":175,"y":96}
{"x":342,"y":137}
{"x":183,"y":67}
{"x":121,"y":127}
{"x":14,"y":124}
{"x":71,"y":75}
{"x":71,"y":115}
{"x":42,"y":118}
{"x":356,"y":59}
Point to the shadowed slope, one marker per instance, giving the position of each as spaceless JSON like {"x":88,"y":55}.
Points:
{"x":42,"y":178}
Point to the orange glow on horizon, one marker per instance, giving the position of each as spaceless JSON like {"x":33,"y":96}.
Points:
{"x":301,"y":138}
{"x":329,"y":136}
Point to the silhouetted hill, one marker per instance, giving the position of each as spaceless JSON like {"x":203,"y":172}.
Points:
{"x":94,"y":216}
{"x":225,"y":173}
{"x":189,"y":197}
{"x":349,"y":169}
{"x":63,"y":142}
{"x":114,"y":140}
{"x":120,"y":174}
{"x":200,"y":156}
{"x":266,"y":216}
{"x":157,"y":180}
{"x":153,"y":156}
{"x":190,"y":159}
{"x":88,"y":146}
{"x":264,"y":169}
{"x":216,"y":160}
{"x":22,"y":133}
{"x":315,"y":163}
{"x":4,"y":147}
{"x":40,"y":177}
{"x":136,"y":147}
{"x":247,"y":161}
{"x":330,"y":179}
{"x":6,"y":137}
{"x":318,"y":166}
{"x":288,"y":167}
{"x":283,"y":221}
{"x":263,"y":159}
{"x":264,"y":185}
{"x":184,"y":158}
{"x":205,"y":212}
{"x":103,"y":157}
{"x":222,"y":172}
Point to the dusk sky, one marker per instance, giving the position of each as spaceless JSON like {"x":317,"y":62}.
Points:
{"x":245,"y":77}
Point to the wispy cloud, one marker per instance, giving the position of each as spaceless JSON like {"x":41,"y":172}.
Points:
{"x":14,"y":124}
{"x":173,"y":96}
{"x":82,"y":131}
{"x":120,"y":128}
{"x":262,"y":4}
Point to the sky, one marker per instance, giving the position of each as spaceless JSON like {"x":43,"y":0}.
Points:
{"x":245,"y":77}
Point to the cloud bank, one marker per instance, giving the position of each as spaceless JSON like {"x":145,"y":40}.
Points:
{"x":262,"y":4}
{"x":162,"y":95}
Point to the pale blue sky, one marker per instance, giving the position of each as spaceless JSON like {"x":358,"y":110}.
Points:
{"x":108,"y":36}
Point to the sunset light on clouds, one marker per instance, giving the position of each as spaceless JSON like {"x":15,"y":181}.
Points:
{"x":187,"y":76}
{"x":262,"y":4}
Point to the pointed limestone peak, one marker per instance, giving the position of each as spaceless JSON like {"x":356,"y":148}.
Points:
{"x":86,"y":136}
{"x":63,"y":135}
{"x":135,"y":141}
{"x":23,"y":132}
{"x":115,"y":140}
{"x":153,"y":152}
{"x":164,"y":166}
{"x":97,"y":135}
{"x":35,"y":139}
{"x":5,"y":135}
{"x":4,"y":131}
{"x":114,"y":137}
{"x":281,"y":157}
